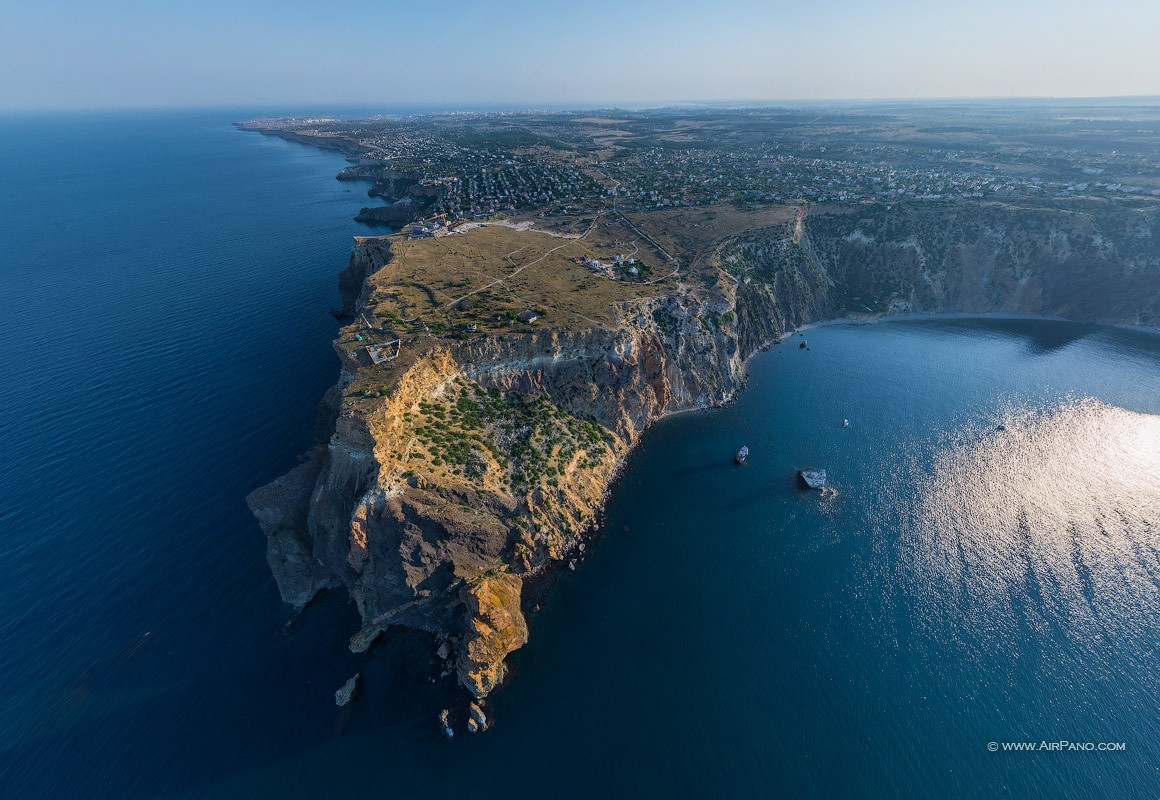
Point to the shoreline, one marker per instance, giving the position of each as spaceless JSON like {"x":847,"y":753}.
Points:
{"x":660,"y":356}
{"x":966,"y":315}
{"x":595,"y":531}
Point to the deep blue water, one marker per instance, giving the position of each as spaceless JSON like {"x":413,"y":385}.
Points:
{"x":164,"y":340}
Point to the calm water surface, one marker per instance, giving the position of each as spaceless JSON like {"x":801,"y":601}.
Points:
{"x":164,"y":340}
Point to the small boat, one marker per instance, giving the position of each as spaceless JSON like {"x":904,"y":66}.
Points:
{"x":742,"y":454}
{"x":845,"y":423}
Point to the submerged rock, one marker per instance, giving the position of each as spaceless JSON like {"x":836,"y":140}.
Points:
{"x":344,"y":695}
{"x":813,"y":477}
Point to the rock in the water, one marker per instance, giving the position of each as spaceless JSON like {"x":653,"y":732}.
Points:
{"x":477,"y":717}
{"x":444,"y":651}
{"x":344,"y":695}
{"x":813,"y":477}
{"x":445,"y":722}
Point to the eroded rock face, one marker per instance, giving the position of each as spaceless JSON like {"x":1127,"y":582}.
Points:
{"x":395,"y":215}
{"x":282,"y":508}
{"x":368,"y":255}
{"x":1091,"y":262}
{"x":495,"y":627}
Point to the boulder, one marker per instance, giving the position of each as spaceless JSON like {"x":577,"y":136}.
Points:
{"x":476,"y":720}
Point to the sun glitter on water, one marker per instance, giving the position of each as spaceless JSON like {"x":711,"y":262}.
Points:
{"x":1048,"y":521}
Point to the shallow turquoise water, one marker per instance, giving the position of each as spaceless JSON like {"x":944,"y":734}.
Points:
{"x":164,"y":340}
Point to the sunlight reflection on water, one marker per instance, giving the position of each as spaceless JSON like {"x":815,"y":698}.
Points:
{"x":1047,"y":522}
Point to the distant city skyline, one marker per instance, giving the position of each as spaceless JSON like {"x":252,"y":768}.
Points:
{"x":58,"y":54}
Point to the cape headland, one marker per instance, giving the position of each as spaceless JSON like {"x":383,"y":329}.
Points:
{"x":469,"y":443}
{"x":496,"y":372}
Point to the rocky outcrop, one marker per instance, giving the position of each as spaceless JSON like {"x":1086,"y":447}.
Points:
{"x":395,"y":215}
{"x":446,"y":478}
{"x":406,"y":197}
{"x":368,"y":256}
{"x":360,"y":172}
{"x":813,"y":477}
{"x":392,"y":185}
{"x":476,"y":720}
{"x":283,"y":509}
{"x":495,"y":627}
{"x":345,"y":693}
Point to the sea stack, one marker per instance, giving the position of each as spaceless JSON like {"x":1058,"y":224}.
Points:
{"x":345,"y":694}
{"x":813,"y":477}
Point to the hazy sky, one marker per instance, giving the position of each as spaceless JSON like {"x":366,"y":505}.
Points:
{"x":116,"y":53}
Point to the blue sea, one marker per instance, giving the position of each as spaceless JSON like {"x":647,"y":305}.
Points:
{"x":985,"y":574}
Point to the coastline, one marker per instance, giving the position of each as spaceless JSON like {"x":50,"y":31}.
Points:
{"x":663,"y":360}
{"x":966,"y":315}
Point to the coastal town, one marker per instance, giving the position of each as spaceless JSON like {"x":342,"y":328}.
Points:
{"x":476,"y":166}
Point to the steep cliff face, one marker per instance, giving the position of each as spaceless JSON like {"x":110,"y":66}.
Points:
{"x":393,"y":185}
{"x":367,"y":257}
{"x":407,"y":199}
{"x":446,"y":478}
{"x":395,"y":215}
{"x":1090,"y":262}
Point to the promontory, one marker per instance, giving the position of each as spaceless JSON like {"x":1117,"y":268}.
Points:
{"x":498,"y":364}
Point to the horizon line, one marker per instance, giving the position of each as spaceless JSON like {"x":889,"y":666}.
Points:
{"x":543,"y":105}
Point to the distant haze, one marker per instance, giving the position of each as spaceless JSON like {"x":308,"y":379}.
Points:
{"x":136,"y":53}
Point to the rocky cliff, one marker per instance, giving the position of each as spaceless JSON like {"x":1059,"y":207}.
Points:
{"x":406,"y":197}
{"x":368,"y":255}
{"x":1091,"y":262}
{"x":444,"y":478}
